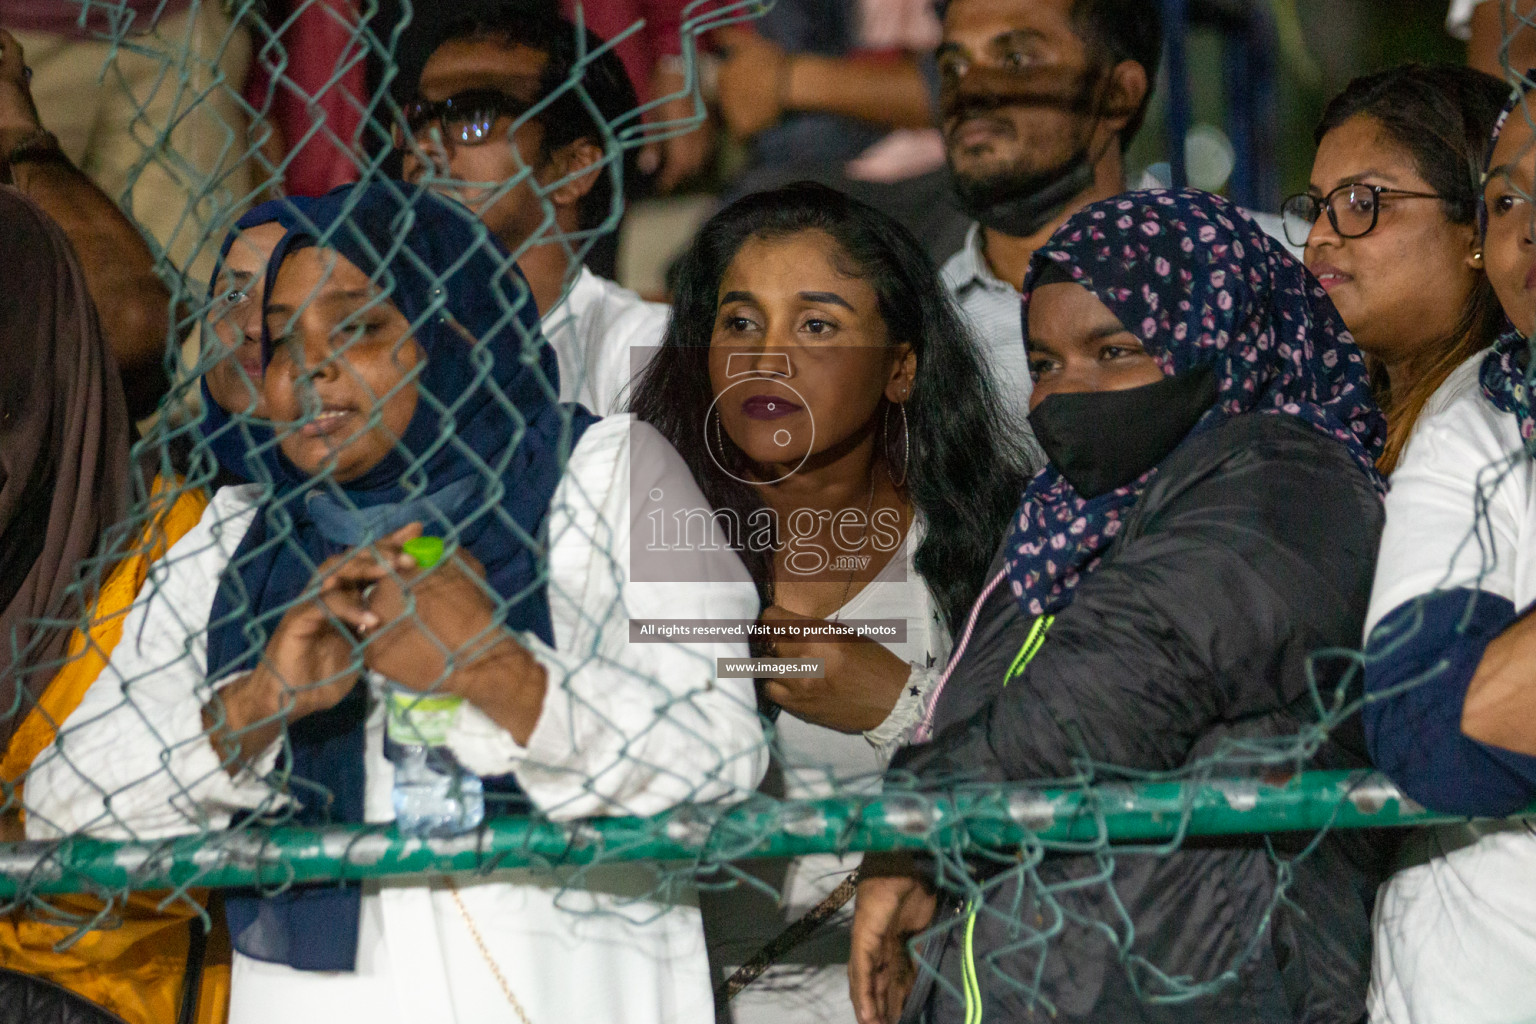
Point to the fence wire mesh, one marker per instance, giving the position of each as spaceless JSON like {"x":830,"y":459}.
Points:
{"x":130,"y":772}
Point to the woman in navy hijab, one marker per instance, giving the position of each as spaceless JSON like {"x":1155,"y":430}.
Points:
{"x":409,"y":391}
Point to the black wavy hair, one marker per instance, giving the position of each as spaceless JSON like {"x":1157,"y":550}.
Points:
{"x":1441,"y":115}
{"x":964,"y":476}
{"x":533,"y":24}
{"x":1124,"y":30}
{"x":1117,"y":30}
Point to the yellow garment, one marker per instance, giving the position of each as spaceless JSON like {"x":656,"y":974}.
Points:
{"x":88,"y":652}
{"x":135,"y":969}
{"x":135,"y":965}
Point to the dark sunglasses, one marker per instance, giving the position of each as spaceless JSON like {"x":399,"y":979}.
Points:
{"x":465,"y":118}
{"x":1352,"y":210}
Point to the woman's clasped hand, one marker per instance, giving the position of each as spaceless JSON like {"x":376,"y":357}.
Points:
{"x":375,"y":607}
{"x":861,"y":681}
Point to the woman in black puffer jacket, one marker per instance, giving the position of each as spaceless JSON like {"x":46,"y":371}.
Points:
{"x":1209,"y":518}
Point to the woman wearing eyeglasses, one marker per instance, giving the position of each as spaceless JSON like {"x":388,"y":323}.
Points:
{"x":1389,"y":225}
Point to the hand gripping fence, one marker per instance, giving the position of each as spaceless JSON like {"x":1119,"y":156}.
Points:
{"x":699,"y":830}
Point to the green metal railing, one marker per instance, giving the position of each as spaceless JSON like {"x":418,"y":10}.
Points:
{"x":995,"y":819}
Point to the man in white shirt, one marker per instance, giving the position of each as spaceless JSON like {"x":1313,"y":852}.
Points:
{"x":484,"y":71}
{"x":1039,"y":101}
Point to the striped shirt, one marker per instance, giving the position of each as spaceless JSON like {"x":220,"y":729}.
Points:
{"x":991,"y":309}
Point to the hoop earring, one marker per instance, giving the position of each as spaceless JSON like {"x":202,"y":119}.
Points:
{"x":719,"y":438}
{"x":906,"y":444}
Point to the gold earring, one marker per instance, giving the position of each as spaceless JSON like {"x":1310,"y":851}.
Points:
{"x":1477,"y":257}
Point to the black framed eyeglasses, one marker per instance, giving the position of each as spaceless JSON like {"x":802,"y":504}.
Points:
{"x":1352,"y":210}
{"x":466,"y":118}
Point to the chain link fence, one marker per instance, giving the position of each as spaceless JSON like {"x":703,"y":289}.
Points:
{"x":148,"y":784}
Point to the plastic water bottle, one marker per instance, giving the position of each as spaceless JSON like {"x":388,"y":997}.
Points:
{"x":434,"y":794}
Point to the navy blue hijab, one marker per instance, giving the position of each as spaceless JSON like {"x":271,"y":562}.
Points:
{"x":233,"y":438}
{"x":478,"y":464}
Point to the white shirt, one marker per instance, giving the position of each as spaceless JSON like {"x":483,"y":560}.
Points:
{"x":1458,"y":20}
{"x":603,"y":335}
{"x":625,"y":729}
{"x":1455,"y":937}
{"x":1460,"y":385}
{"x":991,"y":309}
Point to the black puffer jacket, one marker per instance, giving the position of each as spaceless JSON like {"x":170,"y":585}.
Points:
{"x":1253,"y":547}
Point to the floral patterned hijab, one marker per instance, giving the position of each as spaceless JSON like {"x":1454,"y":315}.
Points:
{"x":1505,"y":380}
{"x":1505,"y":371}
{"x":1200,"y":285}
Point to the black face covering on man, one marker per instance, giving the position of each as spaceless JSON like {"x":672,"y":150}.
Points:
{"x":1020,"y":203}
{"x":1102,"y":440}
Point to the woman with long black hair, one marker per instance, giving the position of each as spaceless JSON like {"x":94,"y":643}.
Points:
{"x":835,"y":413}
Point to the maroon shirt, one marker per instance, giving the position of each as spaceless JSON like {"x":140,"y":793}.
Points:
{"x":62,"y":17}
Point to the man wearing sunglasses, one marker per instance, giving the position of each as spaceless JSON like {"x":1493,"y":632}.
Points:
{"x":535,"y":174}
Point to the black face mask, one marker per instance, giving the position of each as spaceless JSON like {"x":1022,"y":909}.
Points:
{"x":1019,"y":204}
{"x":1024,"y":204}
{"x":1101,"y":440}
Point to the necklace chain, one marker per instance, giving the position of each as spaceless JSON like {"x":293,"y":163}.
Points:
{"x":869,"y":504}
{"x":485,"y":953}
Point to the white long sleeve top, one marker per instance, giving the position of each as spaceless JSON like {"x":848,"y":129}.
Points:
{"x":603,"y":335}
{"x":1455,"y":932}
{"x":625,"y":729}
